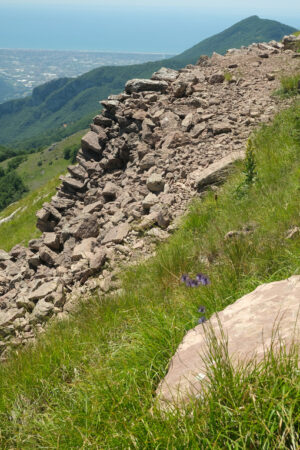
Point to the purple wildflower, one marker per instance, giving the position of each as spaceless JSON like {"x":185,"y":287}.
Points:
{"x":203,"y":279}
{"x":201,"y":320}
{"x":201,"y":309}
{"x":184,"y":278}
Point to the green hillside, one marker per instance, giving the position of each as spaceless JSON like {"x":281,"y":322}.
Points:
{"x":63,"y":106}
{"x":7,"y":89}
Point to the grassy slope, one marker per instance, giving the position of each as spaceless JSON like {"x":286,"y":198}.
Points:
{"x":74,"y":101}
{"x":41,"y":167}
{"x":22,"y":227}
{"x":90,"y":381}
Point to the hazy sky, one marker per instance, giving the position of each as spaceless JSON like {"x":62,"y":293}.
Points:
{"x":129,"y":25}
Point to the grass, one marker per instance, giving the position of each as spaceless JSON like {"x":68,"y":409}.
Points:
{"x":90,"y":381}
{"x":41,"y":167}
{"x":22,"y":227}
{"x":289,"y":86}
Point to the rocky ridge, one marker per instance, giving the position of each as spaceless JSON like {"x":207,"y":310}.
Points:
{"x":153,"y":148}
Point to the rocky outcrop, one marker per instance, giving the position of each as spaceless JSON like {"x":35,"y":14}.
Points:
{"x":146,"y":155}
{"x":267,"y":316}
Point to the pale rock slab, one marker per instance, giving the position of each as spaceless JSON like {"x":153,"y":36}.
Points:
{"x":269,"y":314}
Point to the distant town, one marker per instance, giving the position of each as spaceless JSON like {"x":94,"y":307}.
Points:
{"x":22,"y":70}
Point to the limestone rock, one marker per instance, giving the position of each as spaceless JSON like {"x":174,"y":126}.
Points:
{"x":47,"y":255}
{"x":250,"y":325}
{"x":117,"y":234}
{"x":51,"y":240}
{"x":4,"y":256}
{"x":110,"y":191}
{"x":155,"y":183}
{"x":84,"y":250}
{"x":141,"y":85}
{"x":91,"y":142}
{"x":43,"y":290}
{"x":216,"y":173}
{"x":221,"y":127}
{"x":149,"y":201}
{"x":165,"y":74}
{"x":41,"y":311}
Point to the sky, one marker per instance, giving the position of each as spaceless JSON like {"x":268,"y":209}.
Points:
{"x":169,"y":26}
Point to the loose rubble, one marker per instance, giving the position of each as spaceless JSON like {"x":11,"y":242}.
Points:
{"x":152,"y":149}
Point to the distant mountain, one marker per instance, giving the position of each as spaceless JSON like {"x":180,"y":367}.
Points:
{"x":63,"y":106}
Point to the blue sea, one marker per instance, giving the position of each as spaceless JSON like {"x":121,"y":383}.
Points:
{"x":108,"y":27}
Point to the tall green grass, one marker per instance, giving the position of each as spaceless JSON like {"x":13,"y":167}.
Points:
{"x":90,"y":381}
{"x":22,"y":227}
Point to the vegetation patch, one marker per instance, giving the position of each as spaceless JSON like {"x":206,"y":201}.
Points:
{"x":290,"y":86}
{"x":90,"y":381}
{"x":22,"y":227}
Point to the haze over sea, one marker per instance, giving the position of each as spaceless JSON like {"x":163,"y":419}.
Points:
{"x":129,"y":26}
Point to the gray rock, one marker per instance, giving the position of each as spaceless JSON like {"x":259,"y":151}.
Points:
{"x":84,"y":250}
{"x":43,"y":290}
{"x":221,"y":127}
{"x":41,"y":311}
{"x":155,"y":183}
{"x":4,"y":256}
{"x":141,"y":85}
{"x":165,"y":74}
{"x":149,"y":201}
{"x":117,"y":234}
{"x":97,"y":260}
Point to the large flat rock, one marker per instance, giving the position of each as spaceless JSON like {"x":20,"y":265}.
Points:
{"x":141,"y":85}
{"x":248,"y":324}
{"x":217,"y":172}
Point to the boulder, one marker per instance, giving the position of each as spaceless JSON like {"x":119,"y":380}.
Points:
{"x":147,"y":161}
{"x":221,"y":127}
{"x":117,"y":234}
{"x":41,"y":311}
{"x":47,"y":256}
{"x":141,"y":85}
{"x":43,"y":290}
{"x":268,"y":315}
{"x":155,"y":183}
{"x":81,"y":227}
{"x":91,"y":142}
{"x":149,"y":201}
{"x":51,"y":240}
{"x":217,"y":78}
{"x":84,"y":250}
{"x":165,"y":74}
{"x":216,"y":173}
{"x":110,"y":191}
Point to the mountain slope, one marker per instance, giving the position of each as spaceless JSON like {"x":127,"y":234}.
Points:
{"x":63,"y":106}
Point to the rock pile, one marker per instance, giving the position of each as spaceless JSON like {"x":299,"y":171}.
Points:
{"x":152,"y":148}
